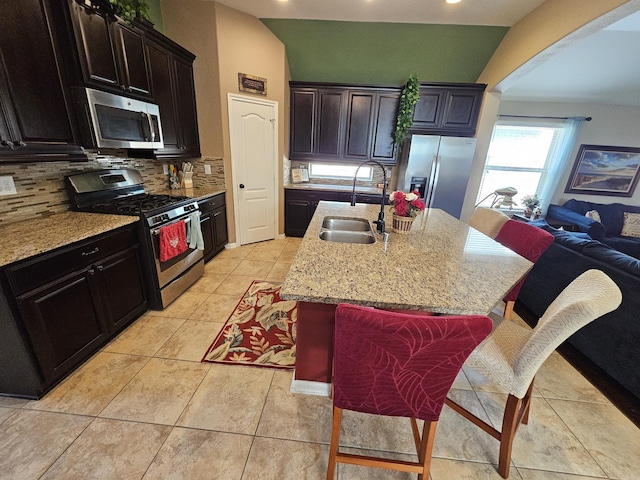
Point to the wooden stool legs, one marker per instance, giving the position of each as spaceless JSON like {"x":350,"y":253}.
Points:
{"x":424,"y":449}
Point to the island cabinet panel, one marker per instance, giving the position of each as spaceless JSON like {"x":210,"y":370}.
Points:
{"x":37,"y":120}
{"x":64,"y":305}
{"x":448,"y":109}
{"x":213,"y":223}
{"x":112,"y":53}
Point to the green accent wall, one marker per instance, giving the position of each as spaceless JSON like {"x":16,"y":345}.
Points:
{"x":155,"y":14}
{"x":384,"y":53}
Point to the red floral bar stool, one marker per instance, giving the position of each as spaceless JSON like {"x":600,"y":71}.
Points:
{"x":527,"y":241}
{"x":398,"y":365}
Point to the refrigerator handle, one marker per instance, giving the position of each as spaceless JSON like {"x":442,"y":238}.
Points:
{"x":433,"y":179}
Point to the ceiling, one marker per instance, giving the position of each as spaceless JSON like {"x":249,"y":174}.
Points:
{"x":468,"y":12}
{"x":603,"y":67}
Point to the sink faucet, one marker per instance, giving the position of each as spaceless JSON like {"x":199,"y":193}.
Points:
{"x":380,"y":222}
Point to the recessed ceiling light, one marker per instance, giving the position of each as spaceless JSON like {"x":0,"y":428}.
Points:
{"x":453,"y":1}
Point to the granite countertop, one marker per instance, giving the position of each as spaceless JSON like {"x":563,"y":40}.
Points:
{"x":442,"y":266}
{"x":333,"y":188}
{"x":28,"y":238}
{"x":197,"y":193}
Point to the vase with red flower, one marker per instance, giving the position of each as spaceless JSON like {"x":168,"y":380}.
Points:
{"x":406,"y":207}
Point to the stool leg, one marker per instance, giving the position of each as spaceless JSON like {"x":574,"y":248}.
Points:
{"x":335,"y":439}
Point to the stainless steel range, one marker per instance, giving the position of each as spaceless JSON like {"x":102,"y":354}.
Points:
{"x":121,"y":192}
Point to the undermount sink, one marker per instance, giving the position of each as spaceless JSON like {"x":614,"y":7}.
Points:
{"x":347,"y":230}
{"x":346,"y":224}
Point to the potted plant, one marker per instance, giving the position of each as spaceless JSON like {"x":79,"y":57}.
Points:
{"x":408,"y":99}
{"x":130,"y":9}
{"x":532,"y":204}
{"x":406,"y":207}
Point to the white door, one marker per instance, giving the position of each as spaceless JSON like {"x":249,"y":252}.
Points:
{"x":254,"y":152}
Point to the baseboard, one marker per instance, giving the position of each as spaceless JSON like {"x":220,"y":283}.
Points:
{"x":310,"y":388}
{"x":231,"y":245}
{"x":281,"y":236}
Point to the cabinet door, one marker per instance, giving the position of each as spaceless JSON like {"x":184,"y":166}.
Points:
{"x":206,"y":225}
{"x":220,"y":237}
{"x":428,"y":108}
{"x":461,"y":110}
{"x":186,"y":107}
{"x":303,"y":123}
{"x":64,"y":323}
{"x":134,"y":59}
{"x":382,"y":142}
{"x":161,"y":66}
{"x":360,"y":110}
{"x":36,"y":117}
{"x":121,"y":285}
{"x":95,"y":46}
{"x":330,"y":123}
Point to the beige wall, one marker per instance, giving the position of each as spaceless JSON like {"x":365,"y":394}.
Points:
{"x":227,"y":42}
{"x":553,"y":25}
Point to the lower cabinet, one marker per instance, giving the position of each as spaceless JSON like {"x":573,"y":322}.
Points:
{"x":61,"y":307}
{"x":300,"y":205}
{"x":213,"y":222}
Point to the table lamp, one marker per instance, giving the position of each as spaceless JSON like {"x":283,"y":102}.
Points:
{"x":503,"y":197}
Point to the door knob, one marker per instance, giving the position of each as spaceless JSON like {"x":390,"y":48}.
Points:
{"x":242,"y":185}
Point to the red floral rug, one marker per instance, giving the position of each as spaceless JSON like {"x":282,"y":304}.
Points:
{"x":261,"y":331}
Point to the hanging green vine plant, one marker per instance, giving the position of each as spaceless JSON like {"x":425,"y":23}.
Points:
{"x":130,"y":9}
{"x":408,"y":99}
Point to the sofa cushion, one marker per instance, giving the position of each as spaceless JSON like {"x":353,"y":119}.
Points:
{"x":612,"y":257}
{"x":627,"y":245}
{"x":611,"y":216}
{"x":631,"y":225}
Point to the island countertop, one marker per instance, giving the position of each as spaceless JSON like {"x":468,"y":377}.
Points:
{"x":442,"y":266}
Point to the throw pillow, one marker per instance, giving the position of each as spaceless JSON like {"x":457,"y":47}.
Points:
{"x":631,"y":225}
{"x":593,"y":215}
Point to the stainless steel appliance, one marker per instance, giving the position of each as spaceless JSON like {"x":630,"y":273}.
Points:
{"x":121,"y":192}
{"x":114,"y":121}
{"x":438,"y":167}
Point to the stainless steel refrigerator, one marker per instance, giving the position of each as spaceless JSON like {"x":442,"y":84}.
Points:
{"x":438,"y":167}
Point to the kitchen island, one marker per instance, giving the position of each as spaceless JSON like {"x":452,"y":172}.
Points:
{"x":443,"y":266}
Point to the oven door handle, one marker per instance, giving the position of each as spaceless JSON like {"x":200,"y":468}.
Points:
{"x":156,"y":231}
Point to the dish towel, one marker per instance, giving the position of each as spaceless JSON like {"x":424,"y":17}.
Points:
{"x":173,"y":240}
{"x":194,"y":232}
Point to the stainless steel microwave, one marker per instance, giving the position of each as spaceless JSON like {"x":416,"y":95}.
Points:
{"x":121,"y":122}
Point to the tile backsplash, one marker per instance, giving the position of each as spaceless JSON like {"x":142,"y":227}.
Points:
{"x":41,"y":190}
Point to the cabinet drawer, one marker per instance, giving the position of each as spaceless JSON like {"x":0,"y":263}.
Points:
{"x":313,"y":195}
{"x":29,"y":274}
{"x":210,"y":204}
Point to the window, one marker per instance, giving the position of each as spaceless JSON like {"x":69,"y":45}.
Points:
{"x":527,"y":154}
{"x":340,"y":172}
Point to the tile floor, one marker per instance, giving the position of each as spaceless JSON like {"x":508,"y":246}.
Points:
{"x":145,"y":407}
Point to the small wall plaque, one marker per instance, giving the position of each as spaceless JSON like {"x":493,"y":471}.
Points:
{"x":251,"y":84}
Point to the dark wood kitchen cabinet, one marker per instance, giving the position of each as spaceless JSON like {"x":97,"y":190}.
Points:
{"x":67,"y":304}
{"x":37,"y":120}
{"x":173,"y":89}
{"x":213,"y":222}
{"x":112,"y":53}
{"x":300,"y":205}
{"x":451,"y":109}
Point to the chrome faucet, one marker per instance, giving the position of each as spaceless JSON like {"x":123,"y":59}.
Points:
{"x":380,"y":222}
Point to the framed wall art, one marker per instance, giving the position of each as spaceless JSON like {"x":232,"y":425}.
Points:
{"x":604,"y":170}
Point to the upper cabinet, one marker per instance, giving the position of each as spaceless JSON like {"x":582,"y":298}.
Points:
{"x":173,"y":89}
{"x":331,"y":122}
{"x":337,"y":122}
{"x":112,"y":52}
{"x":448,"y":109}
{"x":36,"y":111}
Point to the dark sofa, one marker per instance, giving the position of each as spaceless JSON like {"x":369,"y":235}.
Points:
{"x":607,"y":231}
{"x":611,"y":342}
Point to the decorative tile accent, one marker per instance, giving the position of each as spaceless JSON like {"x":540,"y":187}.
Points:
{"x":41,"y":189}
